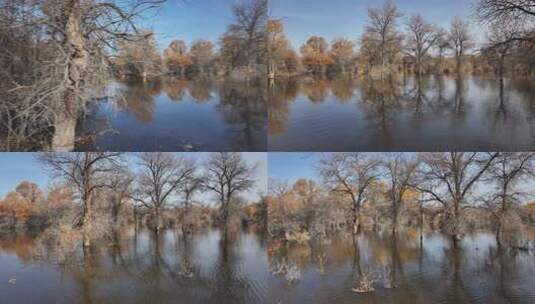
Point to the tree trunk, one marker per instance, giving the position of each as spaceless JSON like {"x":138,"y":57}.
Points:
{"x":157,"y":220}
{"x":77,"y":61}
{"x":459,"y":64}
{"x":356,"y":220}
{"x":87,"y":221}
{"x":271,"y":70}
{"x":395,"y":216}
{"x":136,"y":221}
{"x":64,"y":131}
{"x":115,"y":211}
{"x":225,"y":221}
{"x":499,"y":234}
{"x":421,"y":223}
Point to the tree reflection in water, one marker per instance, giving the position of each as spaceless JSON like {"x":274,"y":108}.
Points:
{"x":388,"y":268}
{"x":139,"y":268}
{"x":400,"y":114}
{"x":204,"y":268}
{"x":177,"y":115}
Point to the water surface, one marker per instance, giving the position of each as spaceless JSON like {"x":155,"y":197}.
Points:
{"x":405,"y":114}
{"x":178,"y":115}
{"x":402,"y":270}
{"x":144,"y":268}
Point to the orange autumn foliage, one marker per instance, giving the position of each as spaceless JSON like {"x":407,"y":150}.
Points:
{"x":315,"y":54}
{"x":28,"y":201}
{"x":17,"y":206}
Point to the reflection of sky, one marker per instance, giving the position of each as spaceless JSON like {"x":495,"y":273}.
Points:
{"x":18,"y":167}
{"x":208,"y":19}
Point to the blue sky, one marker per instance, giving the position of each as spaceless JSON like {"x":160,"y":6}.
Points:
{"x":208,"y":19}
{"x":347,"y":18}
{"x":18,"y":167}
{"x":189,"y":20}
{"x":290,"y":166}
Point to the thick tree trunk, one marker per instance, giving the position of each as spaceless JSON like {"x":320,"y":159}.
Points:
{"x":64,"y":131}
{"x":77,"y":61}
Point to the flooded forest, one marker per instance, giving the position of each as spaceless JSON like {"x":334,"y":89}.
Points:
{"x":403,"y":84}
{"x":452,"y":227}
{"x":267,"y":151}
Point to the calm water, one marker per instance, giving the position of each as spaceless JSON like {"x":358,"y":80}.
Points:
{"x":430,"y":114}
{"x":142,"y":269}
{"x":202,"y":269}
{"x":402,"y":271}
{"x":178,"y":115}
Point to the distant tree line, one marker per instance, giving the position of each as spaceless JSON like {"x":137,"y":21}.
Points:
{"x":451,"y":192}
{"x":100,"y":192}
{"x":241,"y":52}
{"x":420,"y":47}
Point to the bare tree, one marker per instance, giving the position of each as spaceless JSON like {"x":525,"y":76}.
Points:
{"x":278,"y":219}
{"x":244,"y":44}
{"x":381,"y":29}
{"x":278,"y":46}
{"x":421,"y":37}
{"x":227,"y":175}
{"x":508,"y":170}
{"x":493,"y":11}
{"x":69,"y":43}
{"x":460,"y":40}
{"x":400,"y":171}
{"x":188,"y":190}
{"x":448,"y":179}
{"x":501,"y":41}
{"x":138,"y":57}
{"x":504,"y":16}
{"x":87,"y":173}
{"x":161,"y":176}
{"x":202,"y":54}
{"x":121,"y":184}
{"x":442,"y":46}
{"x":352,"y":175}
